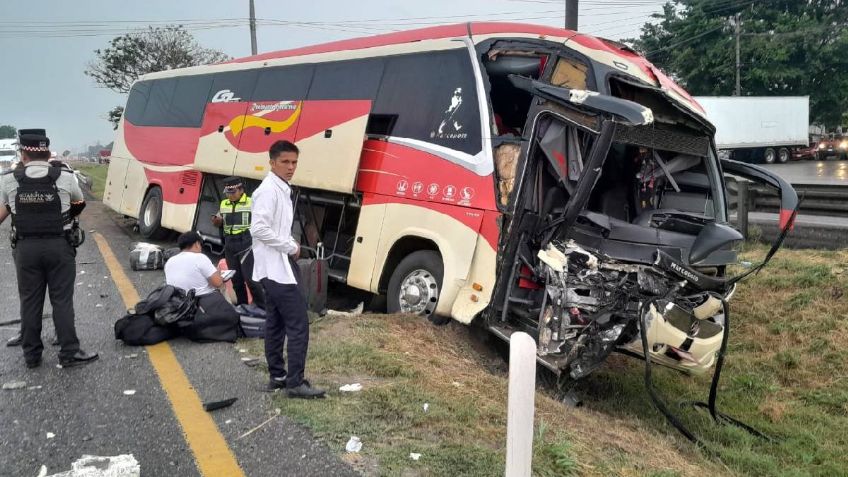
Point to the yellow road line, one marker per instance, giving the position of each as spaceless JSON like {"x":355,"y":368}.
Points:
{"x":211,"y":452}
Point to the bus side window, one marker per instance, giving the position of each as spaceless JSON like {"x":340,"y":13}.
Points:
{"x":189,"y":101}
{"x":137,"y":102}
{"x":353,"y":79}
{"x":157,"y":111}
{"x":443,"y":108}
{"x":283,"y":83}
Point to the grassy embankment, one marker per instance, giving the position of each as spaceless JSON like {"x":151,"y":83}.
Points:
{"x":785,"y":374}
{"x":96,"y":174}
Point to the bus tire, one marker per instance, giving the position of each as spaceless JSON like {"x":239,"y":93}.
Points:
{"x":415,"y":285}
{"x":150,"y":216}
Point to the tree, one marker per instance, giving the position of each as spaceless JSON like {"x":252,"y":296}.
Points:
{"x":8,"y":132}
{"x":156,"y":49}
{"x":787,"y":47}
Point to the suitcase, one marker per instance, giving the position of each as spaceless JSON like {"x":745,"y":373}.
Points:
{"x":312,"y":281}
{"x":147,"y":256}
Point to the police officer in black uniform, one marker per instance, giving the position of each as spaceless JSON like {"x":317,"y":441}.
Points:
{"x":43,"y":201}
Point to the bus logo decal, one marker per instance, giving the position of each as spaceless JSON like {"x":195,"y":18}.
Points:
{"x":242,"y":122}
{"x":224,"y":96}
{"x":450,"y":126}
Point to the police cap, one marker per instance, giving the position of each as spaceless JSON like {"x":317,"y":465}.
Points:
{"x":232,"y":183}
{"x":34,"y":142}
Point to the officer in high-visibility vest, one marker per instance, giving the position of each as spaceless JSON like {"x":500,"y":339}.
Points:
{"x":234,"y":217}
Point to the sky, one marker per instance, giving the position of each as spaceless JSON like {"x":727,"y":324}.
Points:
{"x":45,"y":45}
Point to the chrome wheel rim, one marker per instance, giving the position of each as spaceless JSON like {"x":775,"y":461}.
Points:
{"x":151,"y":211}
{"x":419,"y":293}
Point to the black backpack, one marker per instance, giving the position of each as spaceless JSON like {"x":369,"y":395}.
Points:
{"x":168,"y":305}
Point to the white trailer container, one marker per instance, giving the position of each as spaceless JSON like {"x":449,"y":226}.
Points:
{"x":753,"y":128}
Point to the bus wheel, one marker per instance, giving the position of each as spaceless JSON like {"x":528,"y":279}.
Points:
{"x":415,"y":284}
{"x":150,"y":216}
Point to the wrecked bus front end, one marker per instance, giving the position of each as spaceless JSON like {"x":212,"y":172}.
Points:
{"x":616,"y":236}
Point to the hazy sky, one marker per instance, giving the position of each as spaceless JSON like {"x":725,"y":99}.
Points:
{"x":46,"y":44}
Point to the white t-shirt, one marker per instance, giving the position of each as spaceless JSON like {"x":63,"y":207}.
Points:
{"x":190,"y":271}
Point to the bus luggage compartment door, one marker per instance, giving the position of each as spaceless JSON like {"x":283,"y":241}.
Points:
{"x":330,"y":137}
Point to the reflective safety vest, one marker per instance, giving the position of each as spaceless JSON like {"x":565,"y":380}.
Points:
{"x":236,"y":215}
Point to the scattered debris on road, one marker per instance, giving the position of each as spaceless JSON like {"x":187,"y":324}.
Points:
{"x":129,"y":392}
{"x":123,"y":465}
{"x":426,"y":406}
{"x":354,"y":444}
{"x":214,"y":405}
{"x":14,"y":385}
{"x":414,"y":455}
{"x":50,"y":435}
{"x":350,"y":388}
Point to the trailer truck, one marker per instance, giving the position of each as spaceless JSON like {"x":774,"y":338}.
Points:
{"x":759,"y":128}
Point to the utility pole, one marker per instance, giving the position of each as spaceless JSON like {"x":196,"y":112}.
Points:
{"x":571,"y":14}
{"x":738,"y":64}
{"x":252,"y":29}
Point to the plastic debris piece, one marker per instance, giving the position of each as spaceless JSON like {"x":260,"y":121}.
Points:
{"x":354,"y":444}
{"x":745,"y":264}
{"x":34,"y":388}
{"x":242,"y":350}
{"x":213,"y":405}
{"x":14,"y":385}
{"x":426,"y":406}
{"x":250,"y":361}
{"x":228,"y":421}
{"x":131,"y":356}
{"x":356,"y":311}
{"x":350,"y":388}
{"x":123,"y":465}
{"x":42,"y":472}
{"x":50,"y":435}
{"x":414,"y":455}
{"x":129,"y":392}
{"x":456,"y":384}
{"x":82,"y":272}
{"x":98,"y":305}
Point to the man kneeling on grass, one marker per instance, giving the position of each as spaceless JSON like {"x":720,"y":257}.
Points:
{"x":192,"y":270}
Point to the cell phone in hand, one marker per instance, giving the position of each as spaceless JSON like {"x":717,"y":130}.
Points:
{"x":227,"y":274}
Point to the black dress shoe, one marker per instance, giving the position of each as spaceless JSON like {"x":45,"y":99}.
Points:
{"x":80,"y":358}
{"x":275,"y":384}
{"x":15,"y":340}
{"x":305,"y":391}
{"x":33,"y":363}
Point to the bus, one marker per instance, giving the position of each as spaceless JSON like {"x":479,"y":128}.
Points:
{"x":528,"y":177}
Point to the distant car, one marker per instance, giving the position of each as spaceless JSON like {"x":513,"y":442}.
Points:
{"x":805,"y":153}
{"x":832,"y":147}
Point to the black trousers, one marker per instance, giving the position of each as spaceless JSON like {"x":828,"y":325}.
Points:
{"x":236,"y":248}
{"x":286,"y":320}
{"x":46,"y":264}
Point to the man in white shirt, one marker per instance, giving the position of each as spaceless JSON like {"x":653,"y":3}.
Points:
{"x":274,"y":251}
{"x":192,"y":270}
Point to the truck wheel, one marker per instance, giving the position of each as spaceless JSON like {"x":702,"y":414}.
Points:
{"x":415,"y":284}
{"x":769,"y":156}
{"x":783,"y":155}
{"x":150,"y":215}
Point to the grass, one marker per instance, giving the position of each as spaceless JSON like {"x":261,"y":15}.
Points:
{"x":404,"y":363}
{"x":785,"y":374}
{"x":96,"y":174}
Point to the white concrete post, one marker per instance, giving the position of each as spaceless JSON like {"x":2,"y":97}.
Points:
{"x":521,"y":405}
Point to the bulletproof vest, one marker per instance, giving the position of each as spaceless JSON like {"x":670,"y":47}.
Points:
{"x":38,"y":208}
